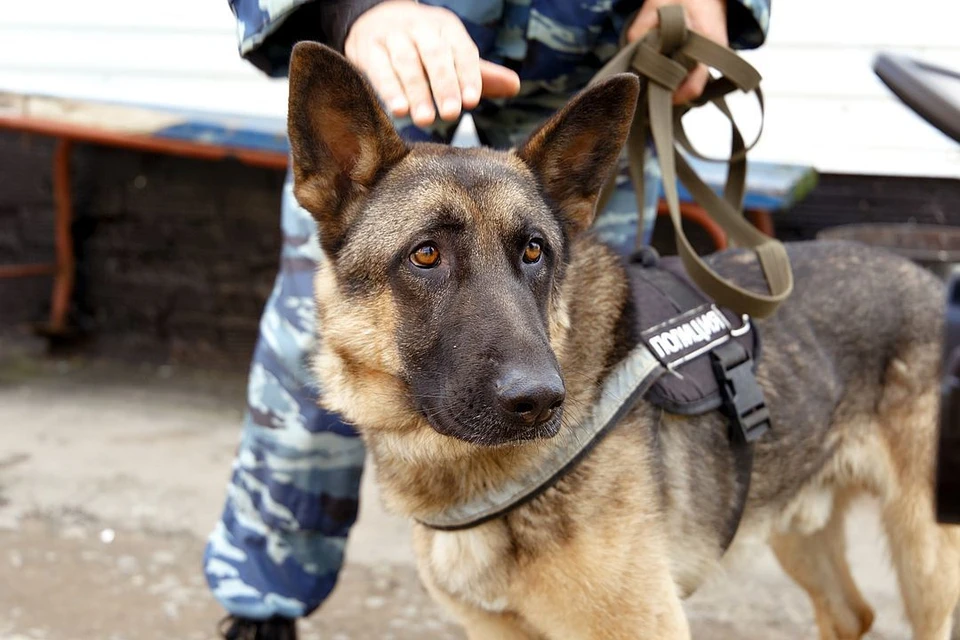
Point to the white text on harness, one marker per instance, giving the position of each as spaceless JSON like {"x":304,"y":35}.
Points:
{"x":699,"y":330}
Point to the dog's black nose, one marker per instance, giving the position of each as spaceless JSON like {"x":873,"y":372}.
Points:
{"x":530,"y":398}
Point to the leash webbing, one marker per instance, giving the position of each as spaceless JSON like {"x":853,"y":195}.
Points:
{"x":662,"y":60}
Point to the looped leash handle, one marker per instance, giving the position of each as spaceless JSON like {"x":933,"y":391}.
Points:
{"x":663,"y":59}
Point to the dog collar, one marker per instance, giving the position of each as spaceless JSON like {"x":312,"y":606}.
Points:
{"x":624,"y":386}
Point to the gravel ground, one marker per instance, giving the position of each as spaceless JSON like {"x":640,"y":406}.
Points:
{"x":111,"y":476}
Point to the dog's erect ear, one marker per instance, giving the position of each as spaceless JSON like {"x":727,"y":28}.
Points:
{"x":574,"y":152}
{"x":340,"y":137}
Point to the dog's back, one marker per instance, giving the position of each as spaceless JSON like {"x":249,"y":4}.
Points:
{"x":850,"y":370}
{"x":856,"y":347}
{"x":857,"y":342}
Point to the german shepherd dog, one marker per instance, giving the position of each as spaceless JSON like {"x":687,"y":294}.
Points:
{"x":468,"y":319}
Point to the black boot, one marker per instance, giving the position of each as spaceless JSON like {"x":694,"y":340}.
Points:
{"x":276,"y":628}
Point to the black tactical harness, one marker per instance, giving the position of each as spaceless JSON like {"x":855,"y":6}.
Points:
{"x":708,"y":354}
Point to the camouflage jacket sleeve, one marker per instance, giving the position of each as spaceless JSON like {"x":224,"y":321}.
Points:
{"x":748,"y":22}
{"x":279,"y":545}
{"x":267,"y":31}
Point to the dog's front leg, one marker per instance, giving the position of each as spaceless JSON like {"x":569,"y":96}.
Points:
{"x":463,"y":571}
{"x":484,"y":625}
{"x":578,"y":597}
{"x":627,"y":615}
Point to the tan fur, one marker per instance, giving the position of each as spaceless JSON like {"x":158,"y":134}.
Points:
{"x":817,"y":561}
{"x":357,"y":362}
{"x":927,"y":557}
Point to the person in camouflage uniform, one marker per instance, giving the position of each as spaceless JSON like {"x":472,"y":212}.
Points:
{"x":293,"y":494}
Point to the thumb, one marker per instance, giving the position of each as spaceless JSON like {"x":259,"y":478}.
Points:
{"x":498,"y":81}
{"x":646,"y":21}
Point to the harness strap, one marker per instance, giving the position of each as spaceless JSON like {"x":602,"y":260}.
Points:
{"x":663,"y":59}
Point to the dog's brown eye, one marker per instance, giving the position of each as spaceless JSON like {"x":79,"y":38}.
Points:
{"x":533,"y":252}
{"x":426,"y":256}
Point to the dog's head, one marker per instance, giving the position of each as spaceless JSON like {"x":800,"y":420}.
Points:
{"x":444,"y":264}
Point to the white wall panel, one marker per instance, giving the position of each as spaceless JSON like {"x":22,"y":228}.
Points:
{"x":825,"y":107}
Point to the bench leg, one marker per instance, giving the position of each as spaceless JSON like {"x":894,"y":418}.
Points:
{"x":762,"y":220}
{"x":697,"y":214}
{"x":63,"y":238}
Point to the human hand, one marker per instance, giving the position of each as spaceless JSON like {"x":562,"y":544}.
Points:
{"x":706,"y":17}
{"x":411,"y":51}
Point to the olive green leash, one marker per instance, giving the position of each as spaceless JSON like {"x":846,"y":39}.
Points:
{"x":662,"y":60}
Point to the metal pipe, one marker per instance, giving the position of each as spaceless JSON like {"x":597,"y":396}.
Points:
{"x":698,"y":215}
{"x":67,"y":134}
{"x":26,"y":270}
{"x":63,"y":238}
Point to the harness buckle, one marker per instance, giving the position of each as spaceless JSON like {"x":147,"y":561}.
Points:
{"x":742,"y":396}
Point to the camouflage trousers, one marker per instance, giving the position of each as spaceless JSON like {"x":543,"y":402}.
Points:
{"x":293,"y":492}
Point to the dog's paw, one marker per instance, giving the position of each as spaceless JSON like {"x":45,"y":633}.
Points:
{"x":276,"y":628}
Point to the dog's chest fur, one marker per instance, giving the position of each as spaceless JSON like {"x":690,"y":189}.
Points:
{"x":474,"y":565}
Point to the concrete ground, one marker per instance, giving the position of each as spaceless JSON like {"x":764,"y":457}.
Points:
{"x":110,"y":478}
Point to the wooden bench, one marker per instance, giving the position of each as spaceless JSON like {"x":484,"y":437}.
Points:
{"x":771,"y":188}
{"x":206,"y":136}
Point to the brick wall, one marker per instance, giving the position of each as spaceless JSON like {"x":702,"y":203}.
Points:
{"x":175,"y":256}
{"x":26,"y":223}
{"x":847,"y":199}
